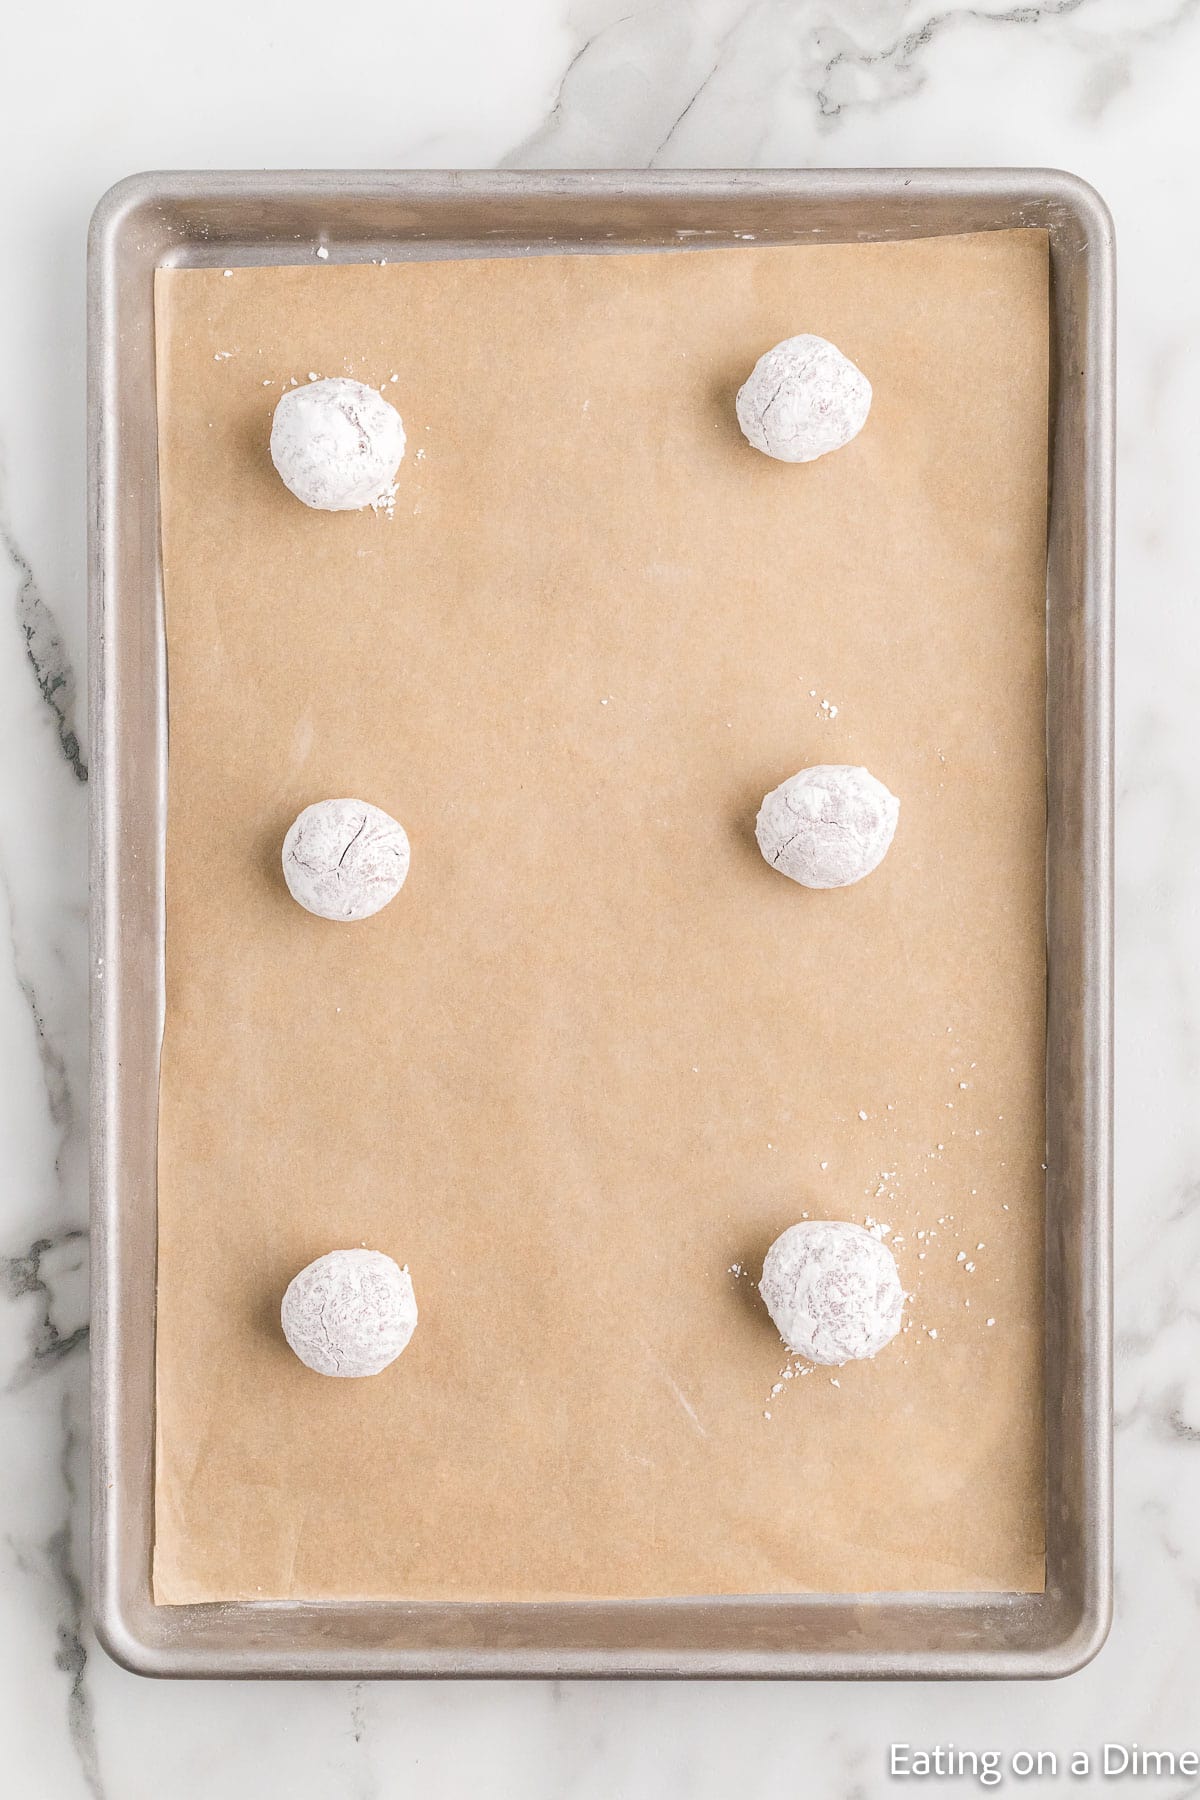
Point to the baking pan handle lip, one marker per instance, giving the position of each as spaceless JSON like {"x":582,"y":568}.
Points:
{"x":151,"y":186}
{"x":1093,"y":1633}
{"x":1085,"y":201}
{"x":117,"y":1637}
{"x":1084,"y":1642}
{"x":115,"y":205}
{"x":177,"y":1661}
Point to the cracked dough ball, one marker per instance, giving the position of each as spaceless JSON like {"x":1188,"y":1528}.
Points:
{"x":803,"y":399}
{"x":349,"y":1313}
{"x":828,"y":826}
{"x":344,"y":859}
{"x":337,"y":445}
{"x":832,"y":1290}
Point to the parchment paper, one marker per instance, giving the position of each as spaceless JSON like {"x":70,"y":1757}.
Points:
{"x":597,"y":1052}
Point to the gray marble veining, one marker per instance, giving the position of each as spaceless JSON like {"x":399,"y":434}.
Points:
{"x":47,"y":657}
{"x":1106,"y":87}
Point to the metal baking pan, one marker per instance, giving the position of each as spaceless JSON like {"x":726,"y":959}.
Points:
{"x":202,"y":220}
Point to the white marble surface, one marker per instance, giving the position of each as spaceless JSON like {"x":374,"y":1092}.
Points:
{"x":1105,"y":87}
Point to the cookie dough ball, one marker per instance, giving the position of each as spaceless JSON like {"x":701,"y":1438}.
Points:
{"x":349,"y":1313}
{"x":344,"y":859}
{"x":832,"y":1290}
{"x":828,"y":826}
{"x":803,"y":399}
{"x":337,"y":445}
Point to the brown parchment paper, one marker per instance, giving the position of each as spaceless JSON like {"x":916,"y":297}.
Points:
{"x":597,"y":1052}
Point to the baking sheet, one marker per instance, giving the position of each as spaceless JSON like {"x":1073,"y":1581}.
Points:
{"x":596,"y":1052}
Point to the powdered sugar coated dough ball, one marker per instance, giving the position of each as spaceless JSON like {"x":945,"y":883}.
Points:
{"x":803,"y":399}
{"x":345,"y":859}
{"x":337,"y":445}
{"x":349,"y":1313}
{"x":828,"y":826}
{"x":832,"y":1290}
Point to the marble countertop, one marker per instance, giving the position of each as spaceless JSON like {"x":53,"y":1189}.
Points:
{"x":1104,"y":87}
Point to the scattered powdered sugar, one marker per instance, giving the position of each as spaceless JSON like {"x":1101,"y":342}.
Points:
{"x":789,"y":1372}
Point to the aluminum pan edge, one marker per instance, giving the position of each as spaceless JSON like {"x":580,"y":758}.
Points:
{"x":275,"y":217}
